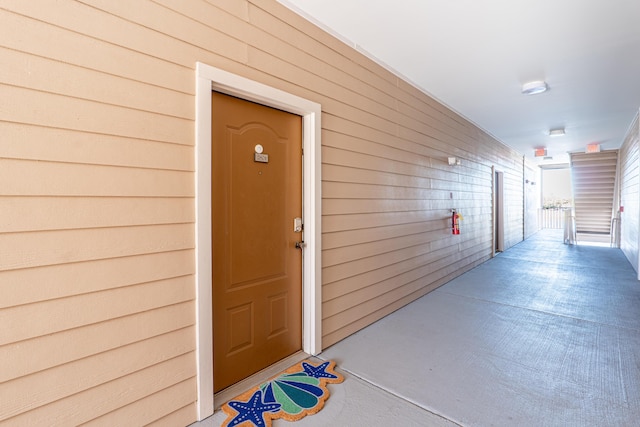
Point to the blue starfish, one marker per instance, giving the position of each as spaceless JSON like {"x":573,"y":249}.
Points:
{"x":317,"y":371}
{"x":252,"y":410}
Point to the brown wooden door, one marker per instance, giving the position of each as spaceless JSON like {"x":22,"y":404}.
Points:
{"x":257,"y":270}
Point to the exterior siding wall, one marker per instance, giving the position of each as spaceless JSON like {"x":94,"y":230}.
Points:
{"x":629,"y":194}
{"x":97,"y":112}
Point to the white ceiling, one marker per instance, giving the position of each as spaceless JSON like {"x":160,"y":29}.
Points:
{"x":474,"y":56}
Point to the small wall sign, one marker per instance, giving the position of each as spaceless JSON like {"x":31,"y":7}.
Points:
{"x":260,"y":158}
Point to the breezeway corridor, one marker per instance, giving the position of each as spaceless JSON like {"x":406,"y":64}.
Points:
{"x":545,"y":334}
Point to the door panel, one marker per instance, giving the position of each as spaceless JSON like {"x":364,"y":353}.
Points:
{"x":498,"y":197}
{"x":257,"y":270}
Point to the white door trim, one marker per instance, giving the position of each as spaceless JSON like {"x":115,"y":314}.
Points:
{"x":498,"y":210}
{"x":207,"y":79}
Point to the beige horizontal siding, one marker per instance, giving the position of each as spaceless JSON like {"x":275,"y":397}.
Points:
{"x":156,"y":404}
{"x":75,"y":212}
{"x":47,"y":317}
{"x":51,"y":76}
{"x":34,"y":142}
{"x":177,"y":417}
{"x":97,"y":197}
{"x":26,"y":393}
{"x":40,"y":248}
{"x":344,"y":282}
{"x":66,"y":179}
{"x":28,"y":285}
{"x":135,"y":370}
{"x":27,"y":356}
{"x":36,"y":107}
{"x":26,"y":29}
{"x":629,"y":176}
{"x":97,"y":238}
{"x":352,"y":238}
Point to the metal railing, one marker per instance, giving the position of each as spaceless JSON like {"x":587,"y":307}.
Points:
{"x":570,"y":234}
{"x":614,"y":241}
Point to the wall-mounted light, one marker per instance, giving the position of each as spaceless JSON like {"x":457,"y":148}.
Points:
{"x":534,"y":88}
{"x":453,"y":161}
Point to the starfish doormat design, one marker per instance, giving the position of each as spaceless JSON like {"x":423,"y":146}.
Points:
{"x":299,"y":391}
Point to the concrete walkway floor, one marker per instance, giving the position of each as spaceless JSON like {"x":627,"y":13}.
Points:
{"x":545,"y":334}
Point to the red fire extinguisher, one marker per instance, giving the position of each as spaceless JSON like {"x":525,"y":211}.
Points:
{"x":455,"y":222}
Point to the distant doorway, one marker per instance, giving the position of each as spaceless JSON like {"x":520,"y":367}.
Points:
{"x":498,"y":211}
{"x":556,"y":196}
{"x":556,"y":187}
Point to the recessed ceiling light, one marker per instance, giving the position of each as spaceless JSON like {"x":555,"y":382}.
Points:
{"x":556,"y":132}
{"x":534,"y":88}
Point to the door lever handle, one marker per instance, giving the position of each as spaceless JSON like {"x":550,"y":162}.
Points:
{"x":300,"y":245}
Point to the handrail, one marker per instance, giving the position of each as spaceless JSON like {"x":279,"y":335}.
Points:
{"x":570,"y":227}
{"x":615,"y":231}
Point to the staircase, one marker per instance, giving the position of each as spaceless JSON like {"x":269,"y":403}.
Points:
{"x":594,"y":180}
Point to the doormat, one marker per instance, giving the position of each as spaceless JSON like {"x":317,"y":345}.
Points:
{"x":297,"y":392}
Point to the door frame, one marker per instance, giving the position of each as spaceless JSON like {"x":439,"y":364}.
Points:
{"x":497,"y":181}
{"x":209,"y":78}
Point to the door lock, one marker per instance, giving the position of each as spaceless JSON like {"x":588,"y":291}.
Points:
{"x":297,"y":225}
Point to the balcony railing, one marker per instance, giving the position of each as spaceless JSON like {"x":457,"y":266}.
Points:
{"x":552,"y":218}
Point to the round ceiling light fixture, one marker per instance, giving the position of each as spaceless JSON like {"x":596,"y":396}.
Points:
{"x":534,"y":88}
